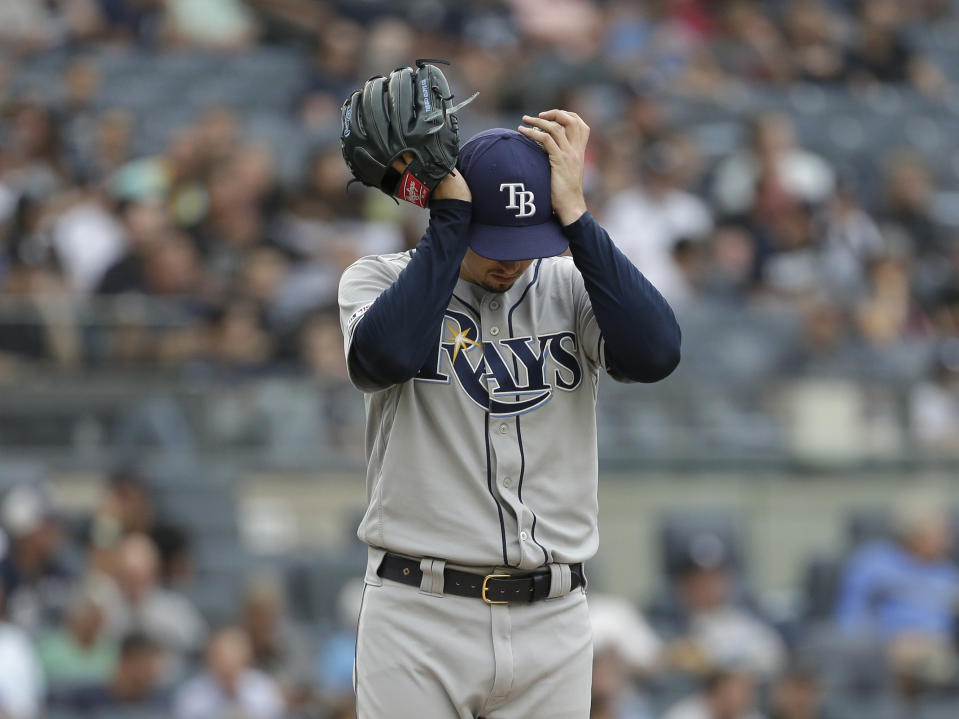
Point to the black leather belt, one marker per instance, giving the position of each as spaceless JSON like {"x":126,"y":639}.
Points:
{"x":491,"y":588}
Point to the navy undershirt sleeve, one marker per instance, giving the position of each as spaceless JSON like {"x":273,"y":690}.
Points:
{"x":641,"y":334}
{"x":399,"y":331}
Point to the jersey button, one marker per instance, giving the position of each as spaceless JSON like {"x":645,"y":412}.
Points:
{"x":494,"y":331}
{"x":508,"y":482}
{"x":524,"y":536}
{"x":494,"y":305}
{"x":503,"y":428}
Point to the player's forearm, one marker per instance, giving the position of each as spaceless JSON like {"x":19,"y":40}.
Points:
{"x":641,"y":335}
{"x":399,"y":331}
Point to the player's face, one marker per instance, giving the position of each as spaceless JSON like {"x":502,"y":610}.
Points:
{"x":493,"y":275}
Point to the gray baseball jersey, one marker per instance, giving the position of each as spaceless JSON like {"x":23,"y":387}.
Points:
{"x":488,"y":455}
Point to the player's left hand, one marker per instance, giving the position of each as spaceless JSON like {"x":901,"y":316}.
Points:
{"x":563,"y":135}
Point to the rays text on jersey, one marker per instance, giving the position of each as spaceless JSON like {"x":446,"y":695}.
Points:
{"x":509,"y":376}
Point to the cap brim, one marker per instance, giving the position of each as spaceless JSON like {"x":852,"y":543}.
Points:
{"x":507,"y":244}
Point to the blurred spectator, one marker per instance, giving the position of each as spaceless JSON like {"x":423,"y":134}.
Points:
{"x":625,"y":649}
{"x":797,"y":694}
{"x":345,"y":709}
{"x":907,"y":202}
{"x":145,"y":224}
{"x":88,"y":240}
{"x":37,"y":323}
{"x":288,"y":22}
{"x":80,"y":84}
{"x":185,"y":165}
{"x":850,"y":241}
{"x":138,"y":603}
{"x":317,"y":341}
{"x":646,"y":112}
{"x":648,"y":220}
{"x":824,"y":349}
{"x":338,"y":652}
{"x":726,"y":694}
{"x":817,"y":39}
{"x":706,"y":625}
{"x":219,"y":131}
{"x":934,"y":402}
{"x":730,"y":274}
{"x":771,"y":174}
{"x":21,"y":678}
{"x":324,"y":195}
{"x":904,"y":591}
{"x":32,"y":161}
{"x":229,"y":686}
{"x":234,"y":224}
{"x":335,"y":72}
{"x":235,"y":341}
{"x":127,"y":507}
{"x":32,"y":25}
{"x":881,"y":53}
{"x":79,"y":652}
{"x":162,"y":264}
{"x":888,"y":314}
{"x":211,"y":24}
{"x":35,"y":578}
{"x":751,"y":47}
{"x":278,"y":649}
{"x":134,"y":685}
{"x":787,"y":252}
{"x":136,"y":21}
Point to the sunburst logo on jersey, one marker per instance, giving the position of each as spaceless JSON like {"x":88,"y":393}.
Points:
{"x":460,"y":340}
{"x":507,"y":377}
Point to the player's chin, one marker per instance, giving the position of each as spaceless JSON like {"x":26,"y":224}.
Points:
{"x":501,"y":283}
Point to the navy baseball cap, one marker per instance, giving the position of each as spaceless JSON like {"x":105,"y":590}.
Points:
{"x":508,"y":175}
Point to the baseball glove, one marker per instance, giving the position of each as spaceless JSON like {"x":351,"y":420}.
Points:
{"x":410,"y":111}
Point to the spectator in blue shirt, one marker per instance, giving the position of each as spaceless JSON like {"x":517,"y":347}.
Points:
{"x":905,"y":591}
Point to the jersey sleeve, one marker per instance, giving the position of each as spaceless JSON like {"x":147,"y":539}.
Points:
{"x":641,"y":338}
{"x":361,"y":283}
{"x":587,"y":328}
{"x":391,"y":316}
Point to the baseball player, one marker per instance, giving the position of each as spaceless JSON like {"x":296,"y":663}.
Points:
{"x":479,"y":354}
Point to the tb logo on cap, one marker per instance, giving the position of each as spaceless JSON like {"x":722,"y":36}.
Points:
{"x":518,"y":192}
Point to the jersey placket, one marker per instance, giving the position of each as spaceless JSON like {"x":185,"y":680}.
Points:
{"x":506,"y":447}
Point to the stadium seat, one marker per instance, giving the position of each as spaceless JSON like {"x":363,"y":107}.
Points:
{"x":14,"y":472}
{"x":866,"y":524}
{"x":820,"y":585}
{"x":942,"y":707}
{"x":678,"y":528}
{"x":200,"y":509}
{"x":314,"y":583}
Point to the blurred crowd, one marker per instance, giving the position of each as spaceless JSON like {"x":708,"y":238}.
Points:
{"x":215,"y":252}
{"x":98,"y":619}
{"x":882,"y":642}
{"x":102,"y":616}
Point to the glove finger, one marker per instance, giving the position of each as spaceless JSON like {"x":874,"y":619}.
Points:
{"x":377,"y":115}
{"x":401,"y":100}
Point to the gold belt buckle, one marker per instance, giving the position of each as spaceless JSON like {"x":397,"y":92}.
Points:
{"x":485,"y":580}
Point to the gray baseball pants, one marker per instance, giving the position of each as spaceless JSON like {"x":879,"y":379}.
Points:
{"x":421,"y":654}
